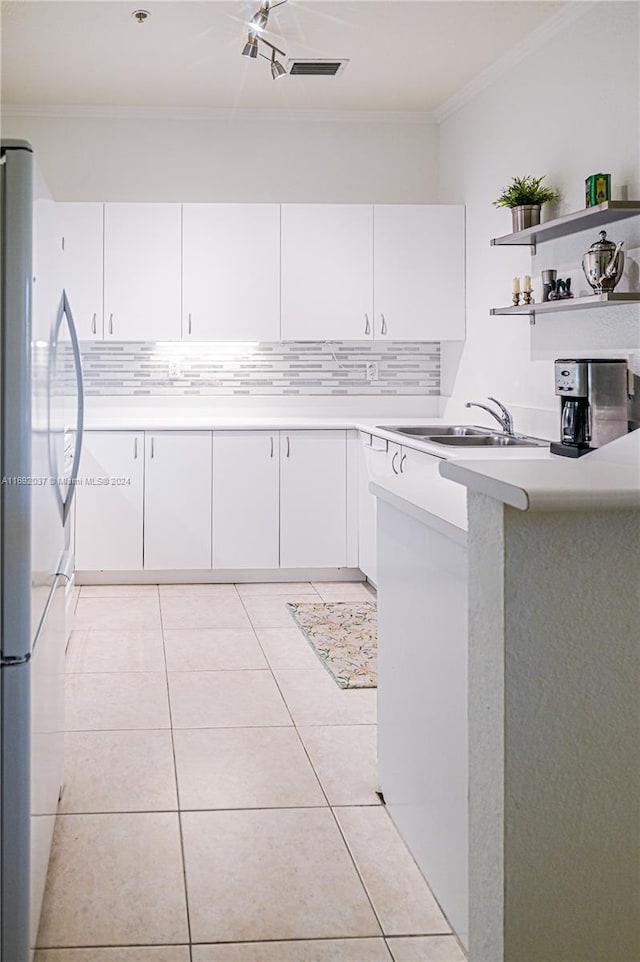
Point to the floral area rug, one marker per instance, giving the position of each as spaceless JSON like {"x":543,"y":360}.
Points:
{"x":344,"y":637}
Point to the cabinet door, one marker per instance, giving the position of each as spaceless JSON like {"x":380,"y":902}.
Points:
{"x":419,"y":289}
{"x":246,"y":510}
{"x":313,"y":499}
{"x":372,"y":450}
{"x":231,"y":272}
{"x":142,"y":272}
{"x":414,"y":462}
{"x":82,"y":257}
{"x":327,"y":272}
{"x":109,"y":502}
{"x":177,"y":505}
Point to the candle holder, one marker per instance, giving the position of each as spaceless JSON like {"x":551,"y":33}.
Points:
{"x":527,"y":297}
{"x":515,"y":297}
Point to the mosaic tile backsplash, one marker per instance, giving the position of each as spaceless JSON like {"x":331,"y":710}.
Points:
{"x":252,"y":369}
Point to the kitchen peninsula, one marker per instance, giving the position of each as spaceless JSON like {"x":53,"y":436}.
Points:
{"x":553,"y":560}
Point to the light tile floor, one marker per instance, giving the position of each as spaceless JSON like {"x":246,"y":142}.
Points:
{"x":220,"y":798}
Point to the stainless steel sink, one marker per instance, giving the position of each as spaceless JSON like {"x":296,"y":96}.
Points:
{"x":433,"y":432}
{"x":488,"y":440}
{"x":464,"y":435}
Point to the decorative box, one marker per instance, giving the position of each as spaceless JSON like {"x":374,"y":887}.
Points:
{"x":597,"y":189}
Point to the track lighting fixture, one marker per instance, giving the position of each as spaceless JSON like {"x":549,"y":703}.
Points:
{"x":259,"y":20}
{"x":277,"y":70}
{"x":251,"y":48}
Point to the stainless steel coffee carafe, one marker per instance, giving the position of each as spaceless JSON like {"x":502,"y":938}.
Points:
{"x":603,"y":264}
{"x":594,"y":403}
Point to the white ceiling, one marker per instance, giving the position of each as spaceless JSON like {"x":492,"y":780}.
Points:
{"x":409,"y":56}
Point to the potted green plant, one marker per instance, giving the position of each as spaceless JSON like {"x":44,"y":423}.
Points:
{"x":525,"y":196}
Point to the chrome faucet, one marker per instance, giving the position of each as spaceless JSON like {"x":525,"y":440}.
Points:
{"x":504,"y":419}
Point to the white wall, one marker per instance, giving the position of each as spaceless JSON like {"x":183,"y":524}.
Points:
{"x":569,"y":109}
{"x":290,"y":161}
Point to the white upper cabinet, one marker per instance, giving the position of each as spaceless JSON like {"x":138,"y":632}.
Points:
{"x":142,"y":275}
{"x":262,"y":272}
{"x":231,"y":272}
{"x":246,"y":510}
{"x":419,"y":290}
{"x":327,"y":272}
{"x":177,"y":500}
{"x":82,"y":229}
{"x":313,"y":499}
{"x":109,"y":502}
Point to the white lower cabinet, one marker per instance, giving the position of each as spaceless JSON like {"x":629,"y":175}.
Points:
{"x":172,"y":500}
{"x":313,"y":499}
{"x":246,"y":509}
{"x":412,"y":461}
{"x":379,"y":458}
{"x":177,"y":507}
{"x":109,"y":500}
{"x":372,"y":463}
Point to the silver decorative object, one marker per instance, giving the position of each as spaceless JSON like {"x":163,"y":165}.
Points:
{"x":548,"y":283}
{"x":603,"y":264}
{"x":528,"y":215}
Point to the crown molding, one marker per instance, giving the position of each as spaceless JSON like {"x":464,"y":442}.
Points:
{"x":568,"y":14}
{"x":226,"y":114}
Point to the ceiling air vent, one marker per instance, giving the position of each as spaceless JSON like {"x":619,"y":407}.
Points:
{"x":316,"y":68}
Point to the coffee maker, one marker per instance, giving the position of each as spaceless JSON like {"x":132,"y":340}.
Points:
{"x":594,"y":404}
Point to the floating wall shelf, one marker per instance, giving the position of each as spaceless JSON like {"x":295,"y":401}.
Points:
{"x":570,"y":304}
{"x":606,"y":213}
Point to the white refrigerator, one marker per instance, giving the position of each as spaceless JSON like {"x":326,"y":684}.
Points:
{"x":41,"y":399}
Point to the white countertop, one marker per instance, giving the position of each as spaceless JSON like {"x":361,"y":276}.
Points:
{"x":524,"y":478}
{"x":198,"y":420}
{"x":608,"y":478}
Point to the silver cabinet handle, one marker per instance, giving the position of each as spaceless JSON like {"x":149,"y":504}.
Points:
{"x":94,"y":327}
{"x":288,"y":446}
{"x":110,"y":323}
{"x":189,"y":324}
{"x":153,"y":447}
{"x":135,"y":448}
{"x":383,"y":329}
{"x":271,"y":455}
{"x":402,"y":460}
{"x":367,"y":326}
{"x":393,"y":463}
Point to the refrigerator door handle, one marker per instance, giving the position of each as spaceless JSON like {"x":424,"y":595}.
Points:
{"x":65,"y":568}
{"x":77,"y":363}
{"x":11,"y":661}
